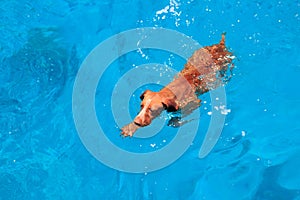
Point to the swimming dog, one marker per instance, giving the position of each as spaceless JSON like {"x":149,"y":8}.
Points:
{"x":204,"y":70}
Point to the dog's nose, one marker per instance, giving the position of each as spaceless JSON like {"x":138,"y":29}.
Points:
{"x":142,"y":121}
{"x":138,"y":121}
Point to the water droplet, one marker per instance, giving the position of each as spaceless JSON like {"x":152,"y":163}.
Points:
{"x":243,"y":133}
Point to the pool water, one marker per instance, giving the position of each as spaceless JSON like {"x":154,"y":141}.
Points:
{"x":42,"y":45}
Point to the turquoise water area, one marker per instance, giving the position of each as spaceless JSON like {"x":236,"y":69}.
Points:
{"x":42,"y":45}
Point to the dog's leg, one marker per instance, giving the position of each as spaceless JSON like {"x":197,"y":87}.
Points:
{"x":177,"y":122}
{"x":188,"y":108}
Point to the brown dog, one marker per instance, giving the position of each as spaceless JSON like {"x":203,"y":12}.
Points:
{"x":204,"y":71}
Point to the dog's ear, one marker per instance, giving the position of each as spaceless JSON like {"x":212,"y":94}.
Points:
{"x":170,"y":105}
{"x":143,"y":95}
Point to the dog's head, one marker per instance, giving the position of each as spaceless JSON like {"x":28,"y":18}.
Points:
{"x":153,"y":103}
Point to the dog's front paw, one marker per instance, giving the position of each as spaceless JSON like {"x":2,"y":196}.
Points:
{"x":129,"y":129}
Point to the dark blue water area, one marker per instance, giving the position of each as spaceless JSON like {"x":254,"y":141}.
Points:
{"x":42,"y":46}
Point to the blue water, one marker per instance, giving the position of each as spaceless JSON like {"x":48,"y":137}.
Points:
{"x":42,"y":45}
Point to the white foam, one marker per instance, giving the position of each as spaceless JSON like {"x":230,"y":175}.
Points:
{"x":153,"y":145}
{"x":164,"y":10}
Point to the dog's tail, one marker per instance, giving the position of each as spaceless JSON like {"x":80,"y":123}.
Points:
{"x":222,"y":42}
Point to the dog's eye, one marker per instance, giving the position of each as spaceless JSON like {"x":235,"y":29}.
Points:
{"x":142,"y":97}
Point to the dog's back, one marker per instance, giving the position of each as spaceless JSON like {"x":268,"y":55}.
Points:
{"x":207,"y":66}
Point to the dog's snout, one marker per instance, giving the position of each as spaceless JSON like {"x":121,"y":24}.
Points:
{"x":142,"y":121}
{"x":138,"y":121}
